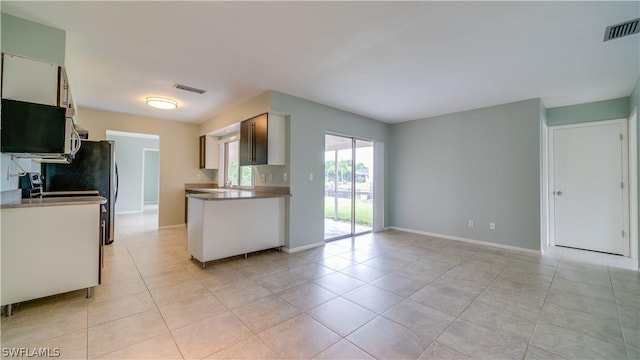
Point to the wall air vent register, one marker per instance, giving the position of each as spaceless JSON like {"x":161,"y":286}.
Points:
{"x":189,"y":88}
{"x":623,"y":29}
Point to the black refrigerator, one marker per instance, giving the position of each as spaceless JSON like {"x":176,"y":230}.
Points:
{"x":93,"y":168}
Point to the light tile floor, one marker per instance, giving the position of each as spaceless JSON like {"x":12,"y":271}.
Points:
{"x":338,"y":228}
{"x":389,"y":295}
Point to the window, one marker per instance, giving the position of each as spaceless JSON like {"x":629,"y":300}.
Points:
{"x":233,"y":172}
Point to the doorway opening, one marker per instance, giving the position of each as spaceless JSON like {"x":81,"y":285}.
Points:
{"x":138,"y":158}
{"x":349,"y":187}
{"x":150,"y":179}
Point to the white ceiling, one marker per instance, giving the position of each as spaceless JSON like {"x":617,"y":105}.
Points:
{"x":391,"y":61}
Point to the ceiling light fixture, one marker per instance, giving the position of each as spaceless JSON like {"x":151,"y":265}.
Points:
{"x":161,"y":103}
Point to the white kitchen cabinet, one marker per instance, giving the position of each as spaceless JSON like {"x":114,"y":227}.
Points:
{"x":30,"y":80}
{"x":221,"y":228}
{"x":209,"y":158}
{"x":66,"y":100}
{"x":48,"y":250}
{"x":35,"y":81}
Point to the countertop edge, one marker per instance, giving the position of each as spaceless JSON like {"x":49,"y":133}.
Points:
{"x":223,"y":196}
{"x":58,"y":201}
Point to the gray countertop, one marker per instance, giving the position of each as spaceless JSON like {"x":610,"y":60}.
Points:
{"x":230,"y":194}
{"x":55,"y":201}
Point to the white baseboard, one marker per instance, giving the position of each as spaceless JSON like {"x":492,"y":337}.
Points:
{"x":302,"y":248}
{"x":472,"y":241}
{"x":171,"y":226}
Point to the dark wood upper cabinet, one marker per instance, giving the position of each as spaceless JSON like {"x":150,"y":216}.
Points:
{"x":208,"y":153}
{"x":253,"y":141}
{"x":262,"y":140}
{"x":202,"y":151}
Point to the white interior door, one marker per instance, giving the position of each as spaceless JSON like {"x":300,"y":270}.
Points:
{"x":588,"y":192}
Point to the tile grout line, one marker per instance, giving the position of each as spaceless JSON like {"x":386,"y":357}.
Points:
{"x":535,"y":327}
{"x":572,"y":330}
{"x":624,"y":337}
{"x":465,"y":309}
{"x":154,"y":301}
{"x":581,"y":311}
{"x":448,"y":326}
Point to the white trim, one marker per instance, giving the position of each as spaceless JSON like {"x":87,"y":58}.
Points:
{"x":625,"y":189}
{"x":128,"y":212}
{"x":633,"y":185}
{"x":172,"y":226}
{"x":551,"y":241}
{"x":378,"y":186}
{"x":544,"y":190}
{"x":302,"y":248}
{"x":131,"y":134}
{"x":472,"y":241}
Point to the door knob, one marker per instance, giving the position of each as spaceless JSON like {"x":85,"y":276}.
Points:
{"x":558,"y":193}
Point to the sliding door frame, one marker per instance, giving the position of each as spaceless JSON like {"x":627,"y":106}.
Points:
{"x":354,"y":140}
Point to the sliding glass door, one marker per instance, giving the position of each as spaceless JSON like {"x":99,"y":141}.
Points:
{"x":348,"y":205}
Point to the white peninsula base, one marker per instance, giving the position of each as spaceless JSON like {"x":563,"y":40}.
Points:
{"x":49,"y":246}
{"x":219,"y":228}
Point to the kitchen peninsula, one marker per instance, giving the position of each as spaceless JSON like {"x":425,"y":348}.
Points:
{"x":49,"y":246}
{"x":226,"y":222}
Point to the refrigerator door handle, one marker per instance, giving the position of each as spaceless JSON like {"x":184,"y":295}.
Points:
{"x":117,"y":185}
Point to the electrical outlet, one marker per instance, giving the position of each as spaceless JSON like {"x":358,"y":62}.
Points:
{"x":198,"y":176}
{"x":270,"y":177}
{"x":470,"y":223}
{"x":284,"y":177}
{"x":492,"y":226}
{"x":263,"y":177}
{"x":310,"y":176}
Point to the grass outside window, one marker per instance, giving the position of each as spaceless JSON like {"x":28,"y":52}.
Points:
{"x":364,"y":210}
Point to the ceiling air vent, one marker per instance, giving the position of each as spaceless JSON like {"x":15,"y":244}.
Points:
{"x":623,"y":29}
{"x":189,"y":88}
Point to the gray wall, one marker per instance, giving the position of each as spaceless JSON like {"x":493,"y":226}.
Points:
{"x":594,"y":111}
{"x":129,"y":159}
{"x":481,"y":164}
{"x":30,"y":39}
{"x":308,"y":124}
{"x":151,"y":176}
{"x":27,"y":38}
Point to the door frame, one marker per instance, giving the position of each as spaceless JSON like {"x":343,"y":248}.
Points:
{"x":632,"y":132}
{"x":629,"y":141}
